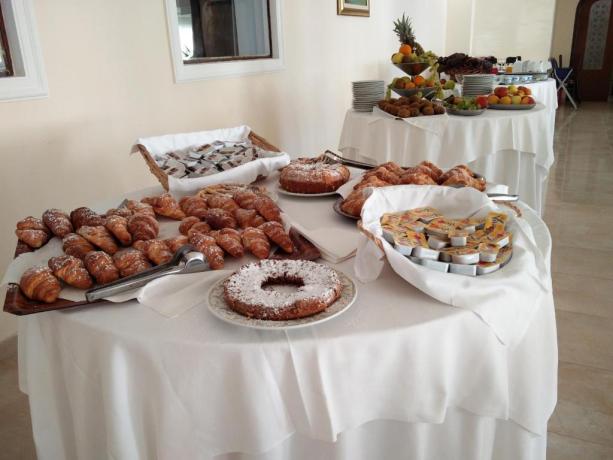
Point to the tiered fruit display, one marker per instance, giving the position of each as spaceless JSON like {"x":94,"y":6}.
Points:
{"x":511,"y":95}
{"x":417,"y":81}
{"x":410,"y":51}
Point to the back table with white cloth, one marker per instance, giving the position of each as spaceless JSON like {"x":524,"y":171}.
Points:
{"x":399,"y":375}
{"x":511,"y":147}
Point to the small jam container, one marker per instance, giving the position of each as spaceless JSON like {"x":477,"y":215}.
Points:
{"x":445,"y":254}
{"x":460,"y":269}
{"x":436,"y":265}
{"x":415,"y":260}
{"x":483,"y":268}
{"x":458,"y":237}
{"x":425,"y":214}
{"x":488,"y":252}
{"x":425,"y":253}
{"x":465,"y":256}
{"x":496,"y":218}
{"x":437,"y":243}
{"x":405,"y":244}
{"x":415,"y":226}
{"x":388,"y":233}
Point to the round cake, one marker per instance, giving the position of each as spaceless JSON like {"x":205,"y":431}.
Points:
{"x":313,"y":175}
{"x":248,"y":290}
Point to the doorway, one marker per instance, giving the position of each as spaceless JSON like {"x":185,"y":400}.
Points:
{"x":592,"y":50}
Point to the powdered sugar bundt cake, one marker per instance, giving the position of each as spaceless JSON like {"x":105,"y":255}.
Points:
{"x":247,"y":292}
{"x":313,"y":175}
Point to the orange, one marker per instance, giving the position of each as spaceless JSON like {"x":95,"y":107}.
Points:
{"x":409,"y":85}
{"x":405,"y":49}
{"x":419,"y":80}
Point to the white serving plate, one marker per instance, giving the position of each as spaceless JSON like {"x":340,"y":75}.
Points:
{"x":306,"y":195}
{"x":218,"y":307}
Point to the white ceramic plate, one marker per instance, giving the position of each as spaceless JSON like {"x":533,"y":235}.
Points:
{"x":217,"y":306}
{"x":305,"y":195}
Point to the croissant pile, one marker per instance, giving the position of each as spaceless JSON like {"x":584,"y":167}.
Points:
{"x":101,"y":248}
{"x":425,"y":173}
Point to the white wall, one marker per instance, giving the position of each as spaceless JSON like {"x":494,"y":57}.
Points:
{"x":564,"y":24}
{"x":110,"y":81}
{"x":500,"y":28}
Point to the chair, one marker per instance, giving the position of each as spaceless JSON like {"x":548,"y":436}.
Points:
{"x":564,"y":80}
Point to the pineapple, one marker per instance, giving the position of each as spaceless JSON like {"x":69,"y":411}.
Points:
{"x":404,"y":30}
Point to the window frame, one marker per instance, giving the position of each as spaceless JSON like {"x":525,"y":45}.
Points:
{"x":4,"y":45}
{"x":28,"y":80}
{"x":207,"y":68}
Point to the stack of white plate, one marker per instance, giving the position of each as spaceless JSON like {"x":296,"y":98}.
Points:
{"x":477,"y":84}
{"x":366,"y":94}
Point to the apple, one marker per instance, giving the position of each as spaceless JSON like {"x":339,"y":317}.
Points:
{"x":521,"y":93}
{"x":506,"y":100}
{"x":397,"y":58}
{"x":527,"y":100}
{"x":493,"y":99}
{"x":513,"y":89}
{"x":450,"y":84}
{"x":516,"y":99}
{"x":526,"y":91}
{"x":443,"y":81}
{"x":501,"y":91}
{"x":481,"y":101}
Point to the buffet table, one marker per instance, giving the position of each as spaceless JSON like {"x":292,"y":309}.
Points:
{"x":506,"y":146}
{"x":397,"y":375}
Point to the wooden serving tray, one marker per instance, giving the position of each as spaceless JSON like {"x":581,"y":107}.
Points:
{"x":18,"y":304}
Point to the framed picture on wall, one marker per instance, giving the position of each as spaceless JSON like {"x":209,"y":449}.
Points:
{"x":353,"y":7}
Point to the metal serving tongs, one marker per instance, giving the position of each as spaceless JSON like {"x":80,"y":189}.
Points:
{"x":185,"y":260}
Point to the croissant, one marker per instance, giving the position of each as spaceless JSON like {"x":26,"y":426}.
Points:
{"x":464,"y":180}
{"x":22,"y":248}
{"x":207,"y":246}
{"x":176,"y":242}
{"x":248,"y":218}
{"x":353,"y":204}
{"x":71,"y":271}
{"x":100,"y":265}
{"x":223,"y":202}
{"x":58,"y":222}
{"x":38,"y":283}
{"x":193,"y":206}
{"x":229,"y":240}
{"x":436,"y":172}
{"x":140,"y":208}
{"x":187,"y":223}
{"x":218,"y":218}
{"x":199,"y":227}
{"x":393,"y":167}
{"x":118,"y":226}
{"x":123,"y":212}
{"x":245,"y":199}
{"x":141,"y":245}
{"x":157,"y":252}
{"x":372,"y":181}
{"x":384,"y":174}
{"x":419,"y":178}
{"x":268,"y":209}
{"x":100,"y":237}
{"x":143,"y":227}
{"x":130,"y":261}
{"x":85,"y":216}
{"x":277,"y":234}
{"x":76,"y":246}
{"x":165,"y":205}
{"x":32,"y":231}
{"x":256,"y":242}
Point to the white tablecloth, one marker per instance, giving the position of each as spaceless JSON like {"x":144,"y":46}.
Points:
{"x":508,"y":147}
{"x":399,"y":375}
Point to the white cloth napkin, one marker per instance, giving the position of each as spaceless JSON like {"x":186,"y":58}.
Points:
{"x":335,"y":244}
{"x":505,"y":300}
{"x":244,"y":174}
{"x":436,"y":124}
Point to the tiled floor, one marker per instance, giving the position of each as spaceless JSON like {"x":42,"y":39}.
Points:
{"x":580,"y":214}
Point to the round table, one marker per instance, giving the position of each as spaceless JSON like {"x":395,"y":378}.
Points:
{"x":511,"y":147}
{"x":397,"y":372}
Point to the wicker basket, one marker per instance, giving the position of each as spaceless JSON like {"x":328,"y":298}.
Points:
{"x":162,"y":177}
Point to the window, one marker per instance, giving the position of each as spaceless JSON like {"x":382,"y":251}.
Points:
{"x":21,"y":65}
{"x":216,"y":38}
{"x":216,"y":30}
